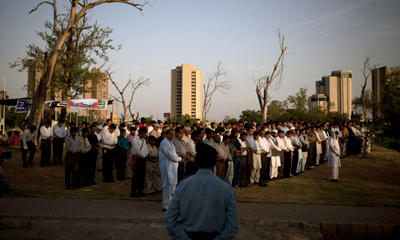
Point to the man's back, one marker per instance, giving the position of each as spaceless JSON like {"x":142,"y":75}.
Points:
{"x":206,"y":204}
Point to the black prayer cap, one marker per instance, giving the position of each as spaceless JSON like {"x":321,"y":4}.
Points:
{"x":205,"y":155}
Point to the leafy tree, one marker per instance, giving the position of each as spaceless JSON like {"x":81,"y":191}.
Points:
{"x":299,"y":101}
{"x":275,"y":110}
{"x":85,"y":47}
{"x":74,"y":13}
{"x":230,"y":120}
{"x":250,"y":116}
{"x":182,"y":120}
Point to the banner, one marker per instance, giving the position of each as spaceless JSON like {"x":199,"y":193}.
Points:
{"x":88,"y":103}
{"x":114,"y":118}
{"x":24,"y":105}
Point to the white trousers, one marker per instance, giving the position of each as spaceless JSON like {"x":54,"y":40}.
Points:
{"x":128,"y":164}
{"x":99,"y":162}
{"x":319,"y":151}
{"x":335,"y":172}
{"x":304,"y":162}
{"x":229,"y":172}
{"x":255,"y":175}
{"x":273,"y":172}
{"x":167,"y":193}
{"x":345,"y":149}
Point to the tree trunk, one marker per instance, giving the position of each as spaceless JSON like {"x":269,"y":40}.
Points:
{"x":39,"y":99}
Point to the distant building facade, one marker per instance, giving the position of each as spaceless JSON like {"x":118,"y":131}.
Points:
{"x":98,"y":89}
{"x":336,"y":89}
{"x":378,"y":82}
{"x":186,"y":91}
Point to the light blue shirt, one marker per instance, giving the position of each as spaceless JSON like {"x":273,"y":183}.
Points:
{"x":59,"y":131}
{"x":205,"y":203}
{"x":167,"y":161}
{"x":284,"y":129}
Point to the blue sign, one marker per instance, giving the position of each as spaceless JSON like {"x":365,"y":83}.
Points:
{"x":24,"y":105}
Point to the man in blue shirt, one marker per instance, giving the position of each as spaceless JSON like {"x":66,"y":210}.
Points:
{"x":205,"y":203}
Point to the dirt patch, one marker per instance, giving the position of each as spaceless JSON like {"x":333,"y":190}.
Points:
{"x":372,"y":181}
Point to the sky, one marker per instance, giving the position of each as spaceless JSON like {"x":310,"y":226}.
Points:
{"x":321,"y":36}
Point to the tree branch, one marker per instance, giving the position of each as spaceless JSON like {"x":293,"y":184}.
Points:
{"x":39,"y":6}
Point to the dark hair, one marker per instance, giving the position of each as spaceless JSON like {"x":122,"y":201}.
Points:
{"x":225,"y":138}
{"x":33,"y":128}
{"x":243,"y":134}
{"x":209,"y":131}
{"x":142,"y":129}
{"x":83,"y":123}
{"x":195,"y":133}
{"x":108,"y":120}
{"x":221,"y":130}
{"x":85,"y":130}
{"x":132,"y":129}
{"x":122,"y":131}
{"x":95,"y":123}
{"x":48,"y":123}
{"x":187,"y":121}
{"x":267,"y":132}
{"x":112,"y":126}
{"x":178,"y":129}
{"x":256,"y":133}
{"x":280,"y":131}
{"x":232,"y":137}
{"x":73,"y":129}
{"x":92,"y":126}
{"x":122,"y":125}
{"x":152,"y":138}
{"x":136,"y":123}
{"x":289,"y":132}
{"x":72,"y":124}
{"x":206,"y":155}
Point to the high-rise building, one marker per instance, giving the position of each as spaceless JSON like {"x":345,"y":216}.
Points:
{"x":186,"y":91}
{"x":98,"y":89}
{"x":336,"y":89}
{"x":378,"y":80}
{"x":35,"y":72}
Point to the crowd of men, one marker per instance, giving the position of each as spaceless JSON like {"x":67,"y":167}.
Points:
{"x":158,"y":156}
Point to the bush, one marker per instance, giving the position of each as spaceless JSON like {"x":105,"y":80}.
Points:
{"x":388,"y":142}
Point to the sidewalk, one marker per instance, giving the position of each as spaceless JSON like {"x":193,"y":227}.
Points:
{"x":325,"y":216}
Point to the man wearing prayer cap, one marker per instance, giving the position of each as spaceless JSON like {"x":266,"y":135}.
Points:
{"x":155,"y":133}
{"x":204,"y":202}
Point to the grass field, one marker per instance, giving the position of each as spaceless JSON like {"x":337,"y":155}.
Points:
{"x":372,"y":181}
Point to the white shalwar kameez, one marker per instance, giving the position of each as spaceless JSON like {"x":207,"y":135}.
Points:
{"x":275,"y":159}
{"x":255,"y":172}
{"x":319,"y":148}
{"x":334,"y":156}
{"x":168,"y":159}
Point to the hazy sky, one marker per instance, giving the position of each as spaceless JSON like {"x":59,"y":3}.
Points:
{"x":321,"y":36}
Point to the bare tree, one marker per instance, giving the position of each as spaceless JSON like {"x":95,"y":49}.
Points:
{"x":75,"y":11}
{"x":263,"y":82}
{"x":366,"y":71}
{"x":212,"y":86}
{"x":133,"y":85}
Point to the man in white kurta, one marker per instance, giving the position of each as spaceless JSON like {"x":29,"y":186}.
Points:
{"x":168,"y":160}
{"x":334,"y":156}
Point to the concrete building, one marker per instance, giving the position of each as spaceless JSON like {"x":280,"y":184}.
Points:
{"x":186,"y":91}
{"x":378,"y":82}
{"x":99,"y":90}
{"x":336,"y":89}
{"x":35,"y":72}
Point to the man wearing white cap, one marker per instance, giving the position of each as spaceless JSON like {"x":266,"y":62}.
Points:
{"x":155,"y":133}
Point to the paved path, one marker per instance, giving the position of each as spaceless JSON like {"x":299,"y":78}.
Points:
{"x":129,"y":210}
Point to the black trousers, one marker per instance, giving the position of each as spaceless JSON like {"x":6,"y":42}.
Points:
{"x":45,"y":146}
{"x":243,"y":172}
{"x":288,"y":164}
{"x":282,"y":167}
{"x":32,"y":149}
{"x":249,"y":167}
{"x":295,"y":161}
{"x":83,"y":169}
{"x":108,"y":157}
{"x":71,"y":169}
{"x":311,"y":158}
{"x":265,"y":166}
{"x":181,"y":171}
{"x":191,"y":168}
{"x":120,"y":164}
{"x":137,"y":186}
{"x":58,"y":145}
{"x":92,"y":165}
